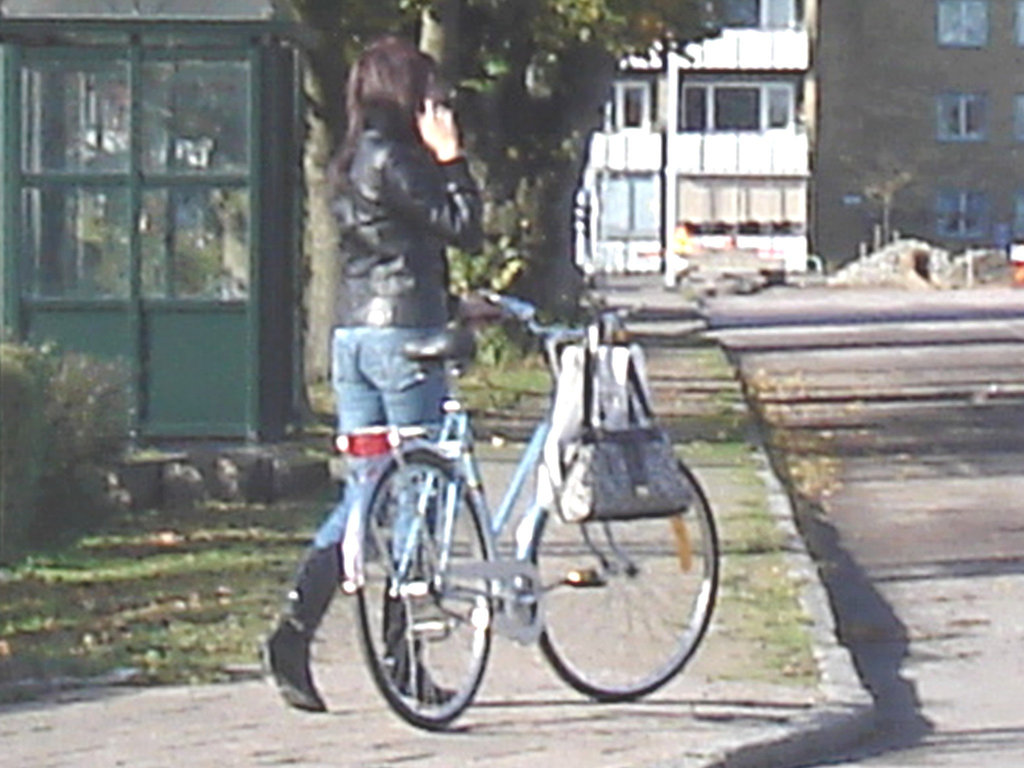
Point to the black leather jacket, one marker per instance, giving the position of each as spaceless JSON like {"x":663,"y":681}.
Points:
{"x":396,"y":214}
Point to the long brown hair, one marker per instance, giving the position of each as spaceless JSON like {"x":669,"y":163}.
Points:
{"x":391,"y":75}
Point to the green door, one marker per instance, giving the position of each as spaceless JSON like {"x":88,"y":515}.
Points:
{"x":135,"y":223}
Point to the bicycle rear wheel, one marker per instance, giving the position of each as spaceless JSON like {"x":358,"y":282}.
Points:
{"x":628,"y":602}
{"x":425,"y":631}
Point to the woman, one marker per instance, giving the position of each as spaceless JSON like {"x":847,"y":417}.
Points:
{"x":402,"y":192}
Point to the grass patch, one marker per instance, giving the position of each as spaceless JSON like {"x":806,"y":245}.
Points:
{"x":506,"y":388}
{"x":761,"y":606}
{"x":176,"y":597}
{"x":759,"y":612}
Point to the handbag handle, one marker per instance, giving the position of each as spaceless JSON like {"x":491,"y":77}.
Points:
{"x":589,"y":351}
{"x":638,"y":386}
{"x":590,"y":347}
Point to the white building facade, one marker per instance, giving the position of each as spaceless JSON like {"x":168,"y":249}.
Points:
{"x":708,"y":148}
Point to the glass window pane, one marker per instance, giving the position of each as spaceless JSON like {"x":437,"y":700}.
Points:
{"x":1020,"y":22}
{"x":77,"y":242}
{"x":737,"y":109}
{"x":195,"y":243}
{"x":1018,"y":216}
{"x":195,"y":116}
{"x":646,"y":207}
{"x":695,"y":108}
{"x":962,"y":213}
{"x":778,"y":107}
{"x":962,"y":116}
{"x":948,"y":116}
{"x":75,"y":118}
{"x":633,"y":103}
{"x":975,"y":23}
{"x":974,"y":116}
{"x":780,"y":14}
{"x":614,"y":204}
{"x":947,"y":206}
{"x":740,"y":13}
{"x":975,"y":214}
{"x":963,"y":22}
{"x":1018,"y":117}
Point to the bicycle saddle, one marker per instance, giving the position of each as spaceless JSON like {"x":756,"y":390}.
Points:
{"x":456,"y":343}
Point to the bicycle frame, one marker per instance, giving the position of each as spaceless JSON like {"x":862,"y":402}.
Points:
{"x":515,"y":580}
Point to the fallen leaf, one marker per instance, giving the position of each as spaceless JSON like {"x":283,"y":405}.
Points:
{"x":167,"y":538}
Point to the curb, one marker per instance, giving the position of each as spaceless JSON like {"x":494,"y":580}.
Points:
{"x":848,"y":711}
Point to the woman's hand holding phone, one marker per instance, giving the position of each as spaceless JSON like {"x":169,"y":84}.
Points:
{"x":439,"y":132}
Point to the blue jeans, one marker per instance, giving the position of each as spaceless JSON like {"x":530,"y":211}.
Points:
{"x":376,"y":385}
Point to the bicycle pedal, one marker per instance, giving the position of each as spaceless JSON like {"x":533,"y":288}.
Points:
{"x":583,"y":578}
{"x":414,"y":589}
{"x":428,"y":628}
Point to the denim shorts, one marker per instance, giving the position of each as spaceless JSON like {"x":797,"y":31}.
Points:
{"x":375,"y":384}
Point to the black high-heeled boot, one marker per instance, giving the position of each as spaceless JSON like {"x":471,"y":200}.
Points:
{"x":286,"y":651}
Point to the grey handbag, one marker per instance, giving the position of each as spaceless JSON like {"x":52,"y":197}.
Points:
{"x":621,"y":474}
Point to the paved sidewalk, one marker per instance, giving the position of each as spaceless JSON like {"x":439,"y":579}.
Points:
{"x":524,"y":716}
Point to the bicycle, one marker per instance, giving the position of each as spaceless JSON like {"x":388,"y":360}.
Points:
{"x":618,"y":608}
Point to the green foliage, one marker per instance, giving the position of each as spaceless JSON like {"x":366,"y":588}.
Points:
{"x":494,"y":268}
{"x":65,"y":421}
{"x":496,"y":349}
{"x":23,"y":441}
{"x":531,"y":76}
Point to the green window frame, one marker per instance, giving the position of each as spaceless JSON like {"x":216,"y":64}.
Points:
{"x":136,"y":174}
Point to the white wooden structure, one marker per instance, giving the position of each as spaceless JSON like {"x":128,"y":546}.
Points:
{"x":712,"y":139}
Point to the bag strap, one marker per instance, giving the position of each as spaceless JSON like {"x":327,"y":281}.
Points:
{"x":638,"y":386}
{"x":588,"y":385}
{"x":634,"y":382}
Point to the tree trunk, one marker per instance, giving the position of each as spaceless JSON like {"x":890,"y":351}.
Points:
{"x":553,"y":280}
{"x":322,"y":267}
{"x":323,"y":86}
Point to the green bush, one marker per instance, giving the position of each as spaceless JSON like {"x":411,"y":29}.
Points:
{"x":64,"y":422}
{"x":23,"y":440}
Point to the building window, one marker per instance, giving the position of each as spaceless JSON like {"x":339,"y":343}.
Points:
{"x":780,"y":107}
{"x":1018,"y":117}
{"x":962,"y":214}
{"x":746,"y":108}
{"x":740,"y":13}
{"x":1018,"y":216}
{"x":630,"y":206}
{"x":737,"y":109}
{"x":963,"y":23}
{"x":757,"y":14}
{"x":695,"y":109}
{"x":631,"y":105}
{"x":1020,"y":22}
{"x":961,"y":116}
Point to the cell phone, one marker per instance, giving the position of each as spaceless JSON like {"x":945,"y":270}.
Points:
{"x":440,"y":94}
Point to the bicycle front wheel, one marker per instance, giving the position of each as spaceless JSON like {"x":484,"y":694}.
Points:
{"x":628,"y":602}
{"x":424,"y":616}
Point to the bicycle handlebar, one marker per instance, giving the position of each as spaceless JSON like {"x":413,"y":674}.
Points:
{"x":520,"y":309}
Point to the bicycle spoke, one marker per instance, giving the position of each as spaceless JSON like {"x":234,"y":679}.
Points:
{"x":628,"y":602}
{"x":423,"y":525}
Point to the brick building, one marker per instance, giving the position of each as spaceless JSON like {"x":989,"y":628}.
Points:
{"x":919,"y":127}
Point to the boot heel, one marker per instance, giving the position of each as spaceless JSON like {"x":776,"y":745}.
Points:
{"x":286,"y":658}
